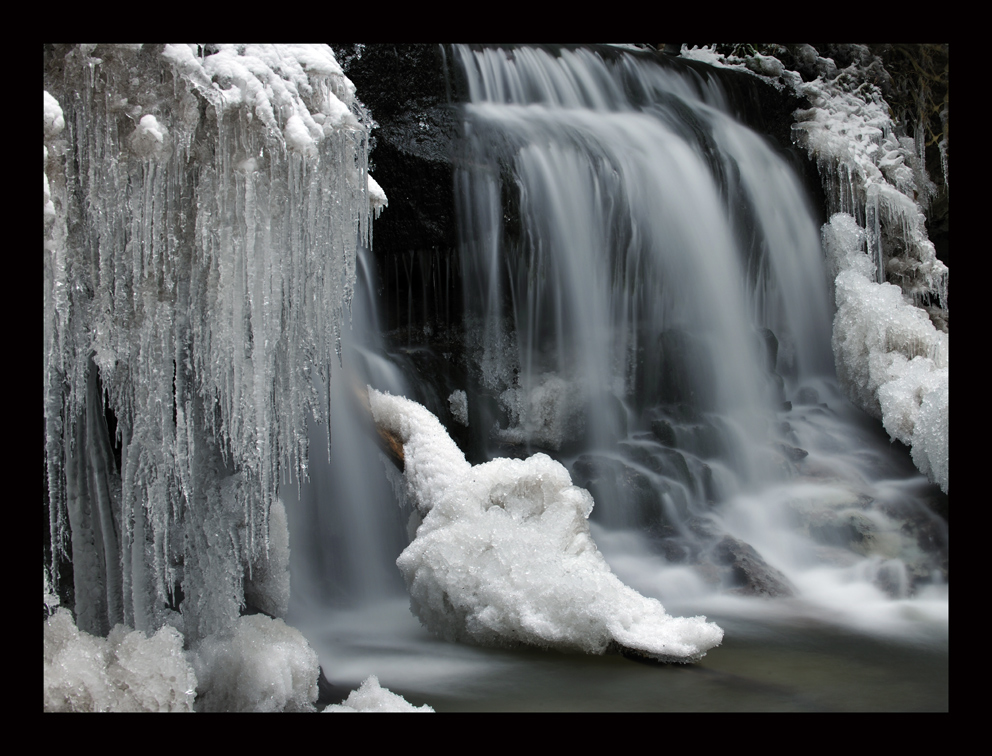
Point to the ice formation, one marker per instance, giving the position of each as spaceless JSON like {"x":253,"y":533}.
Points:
{"x":267,"y":584}
{"x":125,"y":671}
{"x":203,"y":206}
{"x":890,"y":358}
{"x":371,"y":697}
{"x":504,"y":555}
{"x":259,"y":664}
{"x":458,"y":402}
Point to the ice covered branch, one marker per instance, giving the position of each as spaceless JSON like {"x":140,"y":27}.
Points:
{"x":504,"y":555}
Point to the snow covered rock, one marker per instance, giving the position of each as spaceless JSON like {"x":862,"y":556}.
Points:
{"x":260,"y":664}
{"x":126,"y":671}
{"x":371,"y":697}
{"x":504,"y":555}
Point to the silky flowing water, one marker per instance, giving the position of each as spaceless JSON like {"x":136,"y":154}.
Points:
{"x":648,"y":302}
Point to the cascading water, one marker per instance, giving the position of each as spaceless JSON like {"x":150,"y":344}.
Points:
{"x":648,"y":271}
{"x":647,"y":301}
{"x":350,"y":539}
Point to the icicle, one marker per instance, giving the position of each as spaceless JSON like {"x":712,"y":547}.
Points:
{"x":873,"y":237}
{"x":205,"y":301}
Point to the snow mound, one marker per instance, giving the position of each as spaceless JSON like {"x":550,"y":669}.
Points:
{"x":504,"y":555}
{"x":259,"y":664}
{"x":370,"y":697}
{"x":150,"y":138}
{"x":124,"y":672}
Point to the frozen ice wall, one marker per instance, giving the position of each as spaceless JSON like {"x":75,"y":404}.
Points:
{"x":203,"y":206}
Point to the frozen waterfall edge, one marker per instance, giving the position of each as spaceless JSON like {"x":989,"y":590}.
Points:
{"x":202,"y":312}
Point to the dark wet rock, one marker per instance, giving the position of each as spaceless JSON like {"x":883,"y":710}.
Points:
{"x":404,"y":86}
{"x":769,"y":348}
{"x":683,"y":427}
{"x":612,"y":484}
{"x":659,"y":459}
{"x":702,"y":527}
{"x":891,"y":577}
{"x":684,"y":365}
{"x":749,"y":574}
{"x":793,"y":453}
{"x":709,"y":484}
{"x":663,"y":431}
{"x":674,"y":550}
{"x":853,"y":530}
{"x":807,"y":395}
{"x":656,"y":504}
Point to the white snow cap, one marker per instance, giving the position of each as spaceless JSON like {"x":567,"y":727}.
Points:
{"x":377,"y":197}
{"x":54,"y":121}
{"x":370,"y":697}
{"x":299,"y":91}
{"x":504,"y":555}
{"x":149,"y":137}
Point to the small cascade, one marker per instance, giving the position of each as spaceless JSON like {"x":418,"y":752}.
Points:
{"x":351,"y":531}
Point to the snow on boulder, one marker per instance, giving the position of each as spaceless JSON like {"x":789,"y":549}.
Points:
{"x":259,"y":664}
{"x":504,"y":555}
{"x":126,"y":671}
{"x":370,"y":697}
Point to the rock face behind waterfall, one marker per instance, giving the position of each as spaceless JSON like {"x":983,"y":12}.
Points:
{"x":403,"y":86}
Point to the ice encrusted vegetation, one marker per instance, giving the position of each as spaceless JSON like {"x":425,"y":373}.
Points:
{"x":890,"y":334}
{"x":504,"y":555}
{"x":203,"y":206}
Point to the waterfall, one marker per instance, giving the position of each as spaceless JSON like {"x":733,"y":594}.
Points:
{"x":351,"y":532}
{"x":643,"y":212}
{"x":653,"y":307}
{"x":646,"y":299}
